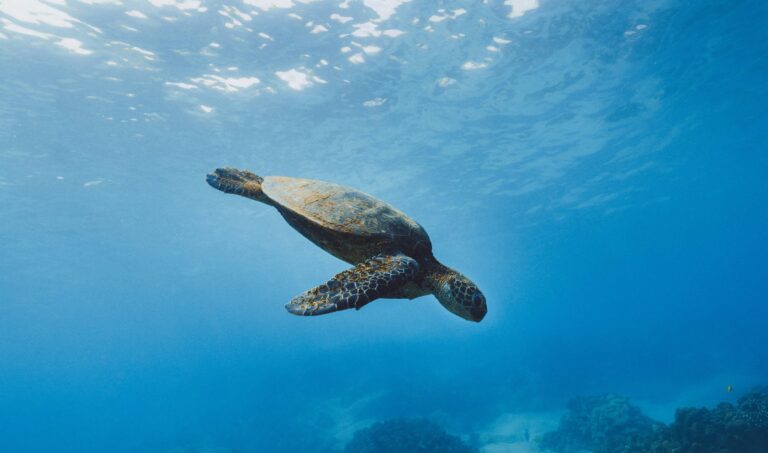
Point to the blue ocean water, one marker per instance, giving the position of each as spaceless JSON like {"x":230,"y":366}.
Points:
{"x":598,"y":168}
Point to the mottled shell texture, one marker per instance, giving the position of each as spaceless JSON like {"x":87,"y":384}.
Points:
{"x":340,"y":208}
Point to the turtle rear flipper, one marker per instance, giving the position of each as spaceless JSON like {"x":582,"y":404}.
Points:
{"x":238,"y":182}
{"x":356,"y":287}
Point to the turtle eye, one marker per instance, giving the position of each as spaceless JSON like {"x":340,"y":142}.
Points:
{"x":477,"y":299}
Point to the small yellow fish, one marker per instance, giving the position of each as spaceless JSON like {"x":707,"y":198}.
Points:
{"x":729,"y":388}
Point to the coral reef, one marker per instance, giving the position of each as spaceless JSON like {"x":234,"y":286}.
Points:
{"x":742,"y":428}
{"x":405,"y":436}
{"x":601,"y":424}
{"x":611,"y":424}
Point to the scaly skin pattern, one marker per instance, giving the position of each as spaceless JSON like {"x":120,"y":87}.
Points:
{"x":356,"y":287}
{"x":455,"y":292}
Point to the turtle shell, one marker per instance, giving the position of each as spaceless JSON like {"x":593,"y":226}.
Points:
{"x":342,"y":209}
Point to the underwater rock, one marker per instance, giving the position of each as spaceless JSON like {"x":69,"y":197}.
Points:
{"x":601,"y":424}
{"x":611,"y":424}
{"x":405,"y":436}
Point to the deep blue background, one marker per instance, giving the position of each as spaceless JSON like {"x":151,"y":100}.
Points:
{"x":603,"y":183}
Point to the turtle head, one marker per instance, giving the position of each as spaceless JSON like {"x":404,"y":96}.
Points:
{"x":457,"y":293}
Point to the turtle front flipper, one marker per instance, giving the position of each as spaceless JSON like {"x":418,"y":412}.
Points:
{"x":356,"y":287}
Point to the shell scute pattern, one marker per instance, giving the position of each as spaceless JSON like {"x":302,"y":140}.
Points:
{"x":353,"y":288}
{"x":340,"y":208}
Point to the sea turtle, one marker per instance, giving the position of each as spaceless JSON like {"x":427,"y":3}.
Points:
{"x":390,"y":252}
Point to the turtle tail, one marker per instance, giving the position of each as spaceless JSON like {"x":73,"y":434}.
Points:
{"x":238,"y":182}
